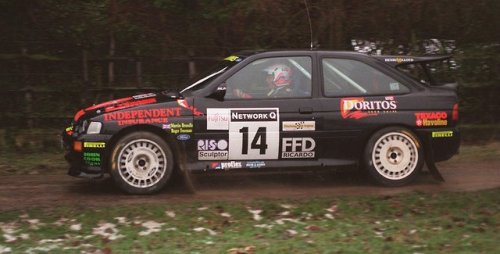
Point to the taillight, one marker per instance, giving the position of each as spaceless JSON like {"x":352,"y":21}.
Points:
{"x":454,"y":115}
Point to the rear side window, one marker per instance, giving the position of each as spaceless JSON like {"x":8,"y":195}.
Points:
{"x":346,"y":77}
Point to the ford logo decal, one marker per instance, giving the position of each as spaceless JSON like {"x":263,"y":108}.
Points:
{"x":183,"y":137}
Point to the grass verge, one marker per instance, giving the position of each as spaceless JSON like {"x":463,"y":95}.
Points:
{"x":410,"y":223}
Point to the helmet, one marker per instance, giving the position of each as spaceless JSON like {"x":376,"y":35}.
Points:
{"x":281,"y":73}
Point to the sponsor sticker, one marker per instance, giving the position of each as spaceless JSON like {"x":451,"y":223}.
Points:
{"x":295,"y":148}
{"x":399,"y":60}
{"x":183,"y":137}
{"x":255,"y":164}
{"x":253,"y":133}
{"x":358,"y":107}
{"x":226,"y":165}
{"x":94,"y":145}
{"x":143,"y":96}
{"x":180,"y":128}
{"x":92,"y":159}
{"x":145,"y":116}
{"x":298,"y":125}
{"x":217,"y":119}
{"x":185,"y":104}
{"x":442,"y":134}
{"x":423,"y":119}
{"x":210,"y":149}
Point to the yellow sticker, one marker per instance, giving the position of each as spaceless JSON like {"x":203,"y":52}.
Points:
{"x":231,"y":58}
{"x":442,"y":134}
{"x":94,"y":145}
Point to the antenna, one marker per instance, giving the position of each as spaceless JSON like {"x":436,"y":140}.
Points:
{"x":310,"y":24}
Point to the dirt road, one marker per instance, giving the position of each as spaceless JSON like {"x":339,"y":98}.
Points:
{"x":29,"y":191}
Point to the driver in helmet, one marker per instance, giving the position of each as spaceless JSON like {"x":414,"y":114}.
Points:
{"x":278,"y":81}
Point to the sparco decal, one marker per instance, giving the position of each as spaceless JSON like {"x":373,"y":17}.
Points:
{"x":158,"y":116}
{"x":298,"y":148}
{"x":210,"y":149}
{"x":226,"y":165}
{"x":359,"y":108}
{"x":299,"y":125}
{"x":431,"y":119}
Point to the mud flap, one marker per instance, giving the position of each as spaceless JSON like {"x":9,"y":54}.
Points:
{"x":429,"y":161}
{"x":187,"y":177}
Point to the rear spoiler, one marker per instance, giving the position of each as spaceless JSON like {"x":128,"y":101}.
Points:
{"x":402,"y":60}
{"x":396,"y":61}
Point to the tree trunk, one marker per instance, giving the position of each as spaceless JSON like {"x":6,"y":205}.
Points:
{"x":111,"y":63}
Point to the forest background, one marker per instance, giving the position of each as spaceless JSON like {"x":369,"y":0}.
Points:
{"x":57,"y":55}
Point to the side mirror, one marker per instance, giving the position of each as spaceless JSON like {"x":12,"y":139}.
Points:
{"x":219,"y":93}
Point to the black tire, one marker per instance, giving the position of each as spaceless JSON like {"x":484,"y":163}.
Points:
{"x":141,"y":163}
{"x":393,"y":156}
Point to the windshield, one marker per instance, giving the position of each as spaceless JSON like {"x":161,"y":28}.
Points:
{"x":206,"y":77}
{"x":431,"y":73}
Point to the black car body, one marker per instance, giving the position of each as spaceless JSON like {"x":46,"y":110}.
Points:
{"x":344,"y":108}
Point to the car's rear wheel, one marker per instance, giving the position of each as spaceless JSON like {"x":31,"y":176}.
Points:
{"x":141,"y":163}
{"x":393,"y":156}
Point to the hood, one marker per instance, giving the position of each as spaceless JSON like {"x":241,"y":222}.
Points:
{"x":123,"y":103}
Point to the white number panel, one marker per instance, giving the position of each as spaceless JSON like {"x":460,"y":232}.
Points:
{"x":253,"y":133}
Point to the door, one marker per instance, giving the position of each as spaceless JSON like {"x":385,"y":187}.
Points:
{"x":357,"y":98}
{"x":267,"y":115}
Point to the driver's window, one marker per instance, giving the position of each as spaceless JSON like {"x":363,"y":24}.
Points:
{"x":279,"y":77}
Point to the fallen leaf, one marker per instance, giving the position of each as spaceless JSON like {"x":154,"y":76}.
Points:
{"x":313,"y":228}
{"x":9,"y":238}
{"x":151,"y":227}
{"x":121,"y":220}
{"x":225,"y":215}
{"x":200,"y":229}
{"x":170,"y":214}
{"x":107,"y":230}
{"x":75,"y":227}
{"x":291,"y":232}
{"x":256,"y":214}
{"x":332,"y":209}
{"x":245,"y":250}
{"x":329,"y":216}
{"x":4,"y":249}
{"x":266,"y":226}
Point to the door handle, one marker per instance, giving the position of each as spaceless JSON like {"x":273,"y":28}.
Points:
{"x":306,"y":110}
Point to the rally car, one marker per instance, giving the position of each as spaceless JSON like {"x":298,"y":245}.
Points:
{"x":274,"y":109}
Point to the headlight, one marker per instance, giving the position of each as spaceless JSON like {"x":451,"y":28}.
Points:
{"x":94,"y":128}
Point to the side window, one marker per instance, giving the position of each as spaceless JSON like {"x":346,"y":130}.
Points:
{"x":345,"y":77}
{"x":279,"y":77}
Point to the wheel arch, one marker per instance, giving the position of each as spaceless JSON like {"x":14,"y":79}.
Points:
{"x":169,"y":139}
{"x":421,"y":141}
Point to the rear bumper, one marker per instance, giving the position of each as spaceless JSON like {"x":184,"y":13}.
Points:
{"x":443,"y":142}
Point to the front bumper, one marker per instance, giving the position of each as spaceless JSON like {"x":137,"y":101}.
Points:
{"x":86,"y":154}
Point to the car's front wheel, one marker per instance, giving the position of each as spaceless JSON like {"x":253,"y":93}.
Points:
{"x":141,"y":163}
{"x":393,"y":156}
